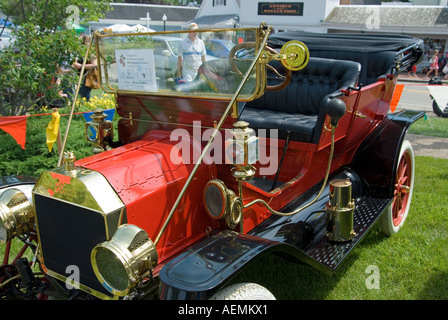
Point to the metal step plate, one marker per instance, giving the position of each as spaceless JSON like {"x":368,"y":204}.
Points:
{"x":331,"y":254}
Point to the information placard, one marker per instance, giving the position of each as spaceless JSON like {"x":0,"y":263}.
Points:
{"x":136,"y":69}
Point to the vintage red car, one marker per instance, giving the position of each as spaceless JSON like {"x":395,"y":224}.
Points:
{"x":285,"y":147}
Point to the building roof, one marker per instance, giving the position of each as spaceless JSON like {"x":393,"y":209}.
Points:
{"x":222,"y":21}
{"x":128,"y":11}
{"x":389,"y":17}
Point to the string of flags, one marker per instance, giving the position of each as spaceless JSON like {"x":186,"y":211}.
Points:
{"x":16,"y":126}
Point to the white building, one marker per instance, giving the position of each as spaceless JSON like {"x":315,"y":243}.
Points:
{"x":429,"y":23}
{"x":148,"y":15}
{"x":425,"y":19}
{"x":304,"y":15}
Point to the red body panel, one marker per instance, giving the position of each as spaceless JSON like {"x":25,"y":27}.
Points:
{"x":148,"y":183}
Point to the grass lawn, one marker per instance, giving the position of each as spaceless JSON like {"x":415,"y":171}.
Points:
{"x":431,"y":126}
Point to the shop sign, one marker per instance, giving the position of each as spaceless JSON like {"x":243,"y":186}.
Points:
{"x":280,"y":8}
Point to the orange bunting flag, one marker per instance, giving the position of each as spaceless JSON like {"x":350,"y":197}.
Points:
{"x":52,"y":130}
{"x":396,"y":97}
{"x":16,"y":127}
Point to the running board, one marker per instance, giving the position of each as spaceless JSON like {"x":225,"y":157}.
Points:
{"x":196,"y":272}
{"x":330,"y":254}
{"x":309,"y":236}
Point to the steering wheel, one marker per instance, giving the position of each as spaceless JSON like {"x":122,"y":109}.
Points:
{"x":251,"y":46}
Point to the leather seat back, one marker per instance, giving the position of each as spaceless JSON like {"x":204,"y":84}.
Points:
{"x":309,"y":86}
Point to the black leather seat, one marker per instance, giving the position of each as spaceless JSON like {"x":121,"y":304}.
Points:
{"x":374,"y":65}
{"x":299,"y":109}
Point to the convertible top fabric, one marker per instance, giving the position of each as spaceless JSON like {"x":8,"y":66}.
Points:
{"x":378,"y":54}
{"x":346,"y":42}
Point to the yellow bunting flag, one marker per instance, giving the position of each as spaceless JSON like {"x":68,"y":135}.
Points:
{"x":52,"y":130}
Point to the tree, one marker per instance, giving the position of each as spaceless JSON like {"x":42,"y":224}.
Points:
{"x":45,"y":40}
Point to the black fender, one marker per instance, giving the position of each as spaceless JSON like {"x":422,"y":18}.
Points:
{"x":198,"y":272}
{"x":376,"y":159}
{"x":208,"y":265}
{"x":23,"y":183}
{"x":16,"y":180}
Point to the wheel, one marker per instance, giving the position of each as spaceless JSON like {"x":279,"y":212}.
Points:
{"x":396,"y":214}
{"x":244,"y":291}
{"x":246,"y":47}
{"x":439,"y":111}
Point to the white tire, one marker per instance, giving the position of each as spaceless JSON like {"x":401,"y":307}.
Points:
{"x":392,"y":220}
{"x":244,"y":291}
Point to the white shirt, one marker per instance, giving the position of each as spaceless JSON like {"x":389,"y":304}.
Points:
{"x":191,"y":53}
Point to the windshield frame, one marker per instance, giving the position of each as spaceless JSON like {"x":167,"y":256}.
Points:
{"x":258,"y":73}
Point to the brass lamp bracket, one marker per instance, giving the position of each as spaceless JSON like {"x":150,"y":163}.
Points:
{"x":294,"y":55}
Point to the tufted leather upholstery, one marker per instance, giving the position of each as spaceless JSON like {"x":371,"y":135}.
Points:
{"x":374,"y":64}
{"x":380,"y":63}
{"x":300,"y":107}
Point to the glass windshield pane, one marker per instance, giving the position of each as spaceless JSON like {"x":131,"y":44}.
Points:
{"x":188,"y":63}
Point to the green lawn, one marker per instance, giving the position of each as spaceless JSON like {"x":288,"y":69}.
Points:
{"x":431,"y":126}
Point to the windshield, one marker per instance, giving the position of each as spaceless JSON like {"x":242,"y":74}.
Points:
{"x":177,"y":63}
{"x":174,"y":45}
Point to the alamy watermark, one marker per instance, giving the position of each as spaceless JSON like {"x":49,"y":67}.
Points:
{"x":226,"y":147}
{"x":73,"y":279}
{"x":73,"y":18}
{"x":373,"y":279}
{"x":373,"y":18}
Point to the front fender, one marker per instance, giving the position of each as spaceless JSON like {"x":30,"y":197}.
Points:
{"x":23,"y":183}
{"x":196,"y":273}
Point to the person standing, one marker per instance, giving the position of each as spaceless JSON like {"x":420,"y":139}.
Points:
{"x":91,"y":63}
{"x":434,"y":64}
{"x":191,"y":54}
{"x":443,"y":63}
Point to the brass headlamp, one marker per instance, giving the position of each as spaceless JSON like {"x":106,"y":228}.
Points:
{"x":125,"y":260}
{"x":98,"y":130}
{"x":222,"y":203}
{"x":16,"y":214}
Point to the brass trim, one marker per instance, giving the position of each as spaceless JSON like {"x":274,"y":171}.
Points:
{"x":232,"y":210}
{"x":208,"y":96}
{"x":136,"y":253}
{"x":72,"y":110}
{"x":224,"y":194}
{"x":102,"y":199}
{"x":357,"y":114}
{"x":106,"y":35}
{"x":340,"y":209}
{"x":16,"y":214}
{"x":258,"y":90}
{"x":80,"y":286}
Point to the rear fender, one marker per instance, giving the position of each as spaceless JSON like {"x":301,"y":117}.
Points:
{"x":376,"y":159}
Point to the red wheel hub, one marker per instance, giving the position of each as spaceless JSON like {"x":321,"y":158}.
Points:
{"x":402,"y":188}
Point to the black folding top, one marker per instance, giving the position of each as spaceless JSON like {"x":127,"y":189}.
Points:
{"x":362,"y":42}
{"x":378,"y":54}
